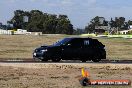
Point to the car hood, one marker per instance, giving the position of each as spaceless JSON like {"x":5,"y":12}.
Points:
{"x":47,"y":46}
{"x":43,"y":47}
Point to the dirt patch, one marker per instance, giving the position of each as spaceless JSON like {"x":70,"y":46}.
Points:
{"x":50,"y":75}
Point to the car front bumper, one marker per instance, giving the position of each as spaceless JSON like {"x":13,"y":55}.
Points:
{"x":37,"y":55}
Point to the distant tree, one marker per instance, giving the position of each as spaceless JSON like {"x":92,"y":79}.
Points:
{"x":17,"y":20}
{"x":119,"y":21}
{"x":50,"y":24}
{"x":0,"y":25}
{"x":96,"y":21}
{"x":129,"y":22}
{"x":35,"y":21}
{"x":64,"y":25}
{"x":90,"y":28}
{"x":79,"y":31}
{"x":125,"y":26}
{"x":112,"y":23}
{"x":42,"y":22}
{"x":105,"y":23}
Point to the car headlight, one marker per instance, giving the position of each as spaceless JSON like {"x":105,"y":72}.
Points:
{"x":44,"y":50}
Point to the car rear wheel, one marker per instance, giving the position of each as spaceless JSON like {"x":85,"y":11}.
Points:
{"x":96,"y":60}
{"x":96,"y":57}
{"x":83,"y":60}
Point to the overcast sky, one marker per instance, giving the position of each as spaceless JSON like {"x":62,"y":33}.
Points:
{"x":80,"y":12}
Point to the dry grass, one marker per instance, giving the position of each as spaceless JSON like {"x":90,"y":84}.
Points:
{"x":118,"y":48}
{"x":22,"y":46}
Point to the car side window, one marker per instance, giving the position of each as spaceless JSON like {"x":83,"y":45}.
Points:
{"x":76,"y":43}
{"x":95,"y":43}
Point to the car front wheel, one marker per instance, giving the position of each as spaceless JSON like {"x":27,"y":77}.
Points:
{"x":56,"y":59}
{"x":44,"y":59}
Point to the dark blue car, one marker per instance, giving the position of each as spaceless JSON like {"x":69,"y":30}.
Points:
{"x":83,"y":49}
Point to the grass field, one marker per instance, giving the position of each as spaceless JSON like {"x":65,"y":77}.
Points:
{"x":22,"y":46}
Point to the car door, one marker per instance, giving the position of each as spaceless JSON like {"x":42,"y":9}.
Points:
{"x":87,"y":48}
{"x":67,"y":52}
{"x":72,"y":49}
{"x":76,"y":46}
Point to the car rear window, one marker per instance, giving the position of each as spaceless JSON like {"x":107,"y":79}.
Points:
{"x":95,"y":42}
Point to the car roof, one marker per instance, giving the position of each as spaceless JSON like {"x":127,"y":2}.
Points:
{"x":96,"y":40}
{"x":78,"y":38}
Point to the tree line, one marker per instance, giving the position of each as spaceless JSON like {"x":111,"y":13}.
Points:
{"x":37,"y":21}
{"x":118,"y":23}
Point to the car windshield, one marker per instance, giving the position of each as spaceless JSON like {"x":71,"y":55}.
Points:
{"x":62,"y":42}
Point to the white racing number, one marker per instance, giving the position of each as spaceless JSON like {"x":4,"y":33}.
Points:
{"x":86,"y":42}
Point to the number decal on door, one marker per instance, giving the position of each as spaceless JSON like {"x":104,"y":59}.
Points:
{"x":86,"y":42}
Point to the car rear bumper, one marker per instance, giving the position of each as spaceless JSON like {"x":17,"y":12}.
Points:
{"x":103,"y":55}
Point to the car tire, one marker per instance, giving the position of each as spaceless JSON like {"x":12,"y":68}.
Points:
{"x":44,"y":59}
{"x":56,"y":59}
{"x":96,"y":60}
{"x":83,"y":60}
